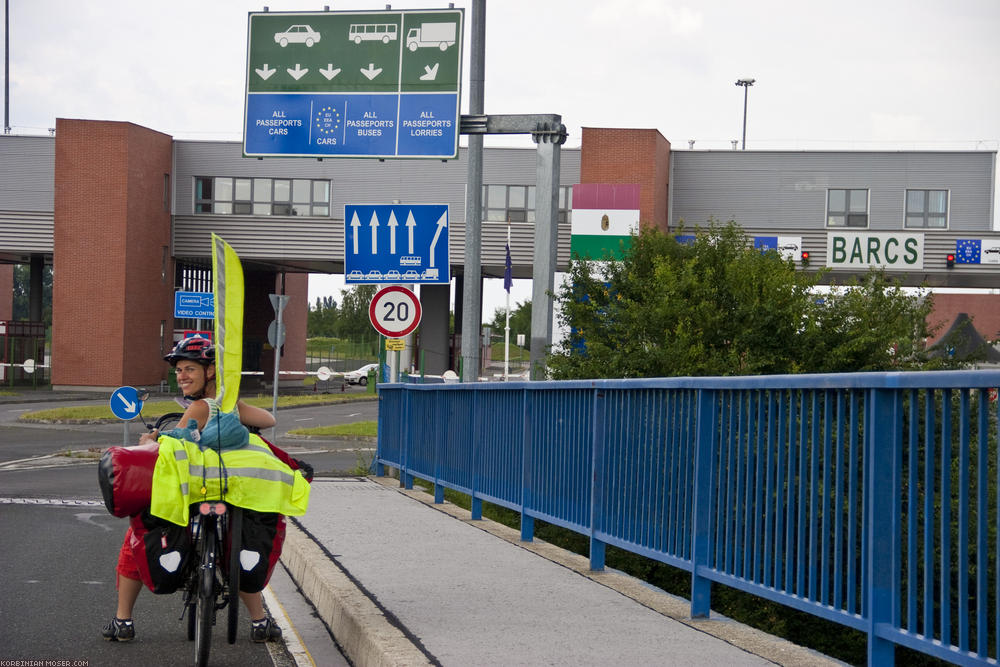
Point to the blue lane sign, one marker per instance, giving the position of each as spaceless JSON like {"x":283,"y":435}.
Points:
{"x":199,"y":305}
{"x":125,"y":403}
{"x":396,"y":243}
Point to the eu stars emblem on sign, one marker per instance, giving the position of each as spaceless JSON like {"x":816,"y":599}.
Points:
{"x":327,"y":121}
{"x":968,"y":251}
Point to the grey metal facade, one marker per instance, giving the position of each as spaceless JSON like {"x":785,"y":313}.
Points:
{"x":27,"y":194}
{"x":317,"y":243}
{"x":785,"y":192}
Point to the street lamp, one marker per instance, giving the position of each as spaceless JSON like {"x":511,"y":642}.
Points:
{"x":746,"y":83}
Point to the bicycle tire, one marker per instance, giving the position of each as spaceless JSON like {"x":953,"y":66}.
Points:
{"x":235,"y":545}
{"x":168,"y":420}
{"x":205,"y":604}
{"x":192,"y":615}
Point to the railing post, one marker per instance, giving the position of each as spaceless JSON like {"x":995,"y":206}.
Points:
{"x":405,"y":478}
{"x":527,"y":522}
{"x":597,"y":547}
{"x":706,"y":434}
{"x":439,"y":444}
{"x":882,"y":447}
{"x":476,"y":509}
{"x":379,"y":435}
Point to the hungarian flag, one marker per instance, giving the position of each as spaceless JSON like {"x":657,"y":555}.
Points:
{"x":604,"y":218}
{"x":227,"y":283}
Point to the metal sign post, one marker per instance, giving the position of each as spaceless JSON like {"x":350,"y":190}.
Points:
{"x":276,"y":340}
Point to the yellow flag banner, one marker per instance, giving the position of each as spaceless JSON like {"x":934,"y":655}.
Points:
{"x":227,"y":281}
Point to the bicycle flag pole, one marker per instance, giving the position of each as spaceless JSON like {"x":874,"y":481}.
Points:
{"x":227,"y":283}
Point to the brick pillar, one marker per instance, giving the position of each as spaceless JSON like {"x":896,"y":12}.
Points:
{"x":112,"y":269}
{"x":6,"y":291}
{"x":616,"y":155}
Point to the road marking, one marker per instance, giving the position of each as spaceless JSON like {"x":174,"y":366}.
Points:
{"x":293,"y":642}
{"x":306,"y":419}
{"x":51,"y":501}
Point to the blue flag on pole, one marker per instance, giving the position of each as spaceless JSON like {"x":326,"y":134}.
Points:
{"x":508,"y":281}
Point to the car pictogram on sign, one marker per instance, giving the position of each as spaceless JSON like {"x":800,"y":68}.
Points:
{"x":297,"y":34}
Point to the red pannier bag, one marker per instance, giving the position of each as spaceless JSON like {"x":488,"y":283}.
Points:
{"x":125,"y":475}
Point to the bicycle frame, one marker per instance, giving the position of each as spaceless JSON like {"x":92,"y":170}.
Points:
{"x":207,"y":590}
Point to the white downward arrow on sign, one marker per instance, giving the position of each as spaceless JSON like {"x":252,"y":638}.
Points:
{"x":265,"y":72}
{"x":431,"y":72}
{"x":329,"y":71}
{"x":297,"y":73}
{"x":129,"y":405}
{"x":372,"y":71}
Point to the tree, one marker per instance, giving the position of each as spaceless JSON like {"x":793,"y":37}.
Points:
{"x":322,"y":318}
{"x":22,"y":286}
{"x":352,"y":320}
{"x":520,"y":321}
{"x":721,"y":307}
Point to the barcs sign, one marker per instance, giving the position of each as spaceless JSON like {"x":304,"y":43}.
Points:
{"x":862,"y":250}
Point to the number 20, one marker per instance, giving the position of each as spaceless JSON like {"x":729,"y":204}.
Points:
{"x":397,"y":312}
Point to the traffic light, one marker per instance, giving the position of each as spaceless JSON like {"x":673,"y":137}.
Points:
{"x":805,"y":258}
{"x":949,"y":260}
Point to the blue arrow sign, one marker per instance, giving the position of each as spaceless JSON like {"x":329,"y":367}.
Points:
{"x":199,"y":305}
{"x":396,"y":243}
{"x":125,"y":403}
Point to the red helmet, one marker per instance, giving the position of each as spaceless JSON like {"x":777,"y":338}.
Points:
{"x":195,"y":349}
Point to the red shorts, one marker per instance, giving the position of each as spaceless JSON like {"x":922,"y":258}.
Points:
{"x":126,"y":558}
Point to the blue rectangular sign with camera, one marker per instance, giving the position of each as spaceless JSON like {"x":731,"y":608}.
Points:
{"x":199,"y":305}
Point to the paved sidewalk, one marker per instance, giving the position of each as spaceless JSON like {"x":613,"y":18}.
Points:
{"x":401,"y":581}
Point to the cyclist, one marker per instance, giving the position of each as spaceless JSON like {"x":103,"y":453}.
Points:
{"x":193,"y":361}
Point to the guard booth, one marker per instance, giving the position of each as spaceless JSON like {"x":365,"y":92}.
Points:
{"x":21,"y":342}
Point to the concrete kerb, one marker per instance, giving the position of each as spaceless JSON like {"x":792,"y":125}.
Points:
{"x":364,"y":633}
{"x":372,"y":622}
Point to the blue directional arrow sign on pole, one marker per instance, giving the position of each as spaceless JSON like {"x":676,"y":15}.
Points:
{"x":396,"y":243}
{"x":125,"y":403}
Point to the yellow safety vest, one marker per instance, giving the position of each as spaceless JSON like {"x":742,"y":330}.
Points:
{"x":250,"y":476}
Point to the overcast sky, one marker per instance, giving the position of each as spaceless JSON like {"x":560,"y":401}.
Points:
{"x":874,"y":74}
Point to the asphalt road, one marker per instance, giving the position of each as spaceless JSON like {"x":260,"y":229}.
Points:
{"x":60,"y":544}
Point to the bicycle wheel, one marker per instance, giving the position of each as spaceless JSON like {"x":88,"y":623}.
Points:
{"x":168,"y":420}
{"x":235,"y":544}
{"x":205,"y":604}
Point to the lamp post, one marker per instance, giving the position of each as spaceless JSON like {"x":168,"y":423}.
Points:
{"x":746,"y":83}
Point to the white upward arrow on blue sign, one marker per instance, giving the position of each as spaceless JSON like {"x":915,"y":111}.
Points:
{"x":376,"y":250}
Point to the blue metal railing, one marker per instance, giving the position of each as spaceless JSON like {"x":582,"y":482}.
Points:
{"x":867,"y":499}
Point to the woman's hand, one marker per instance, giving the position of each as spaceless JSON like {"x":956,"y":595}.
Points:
{"x":149,"y":437}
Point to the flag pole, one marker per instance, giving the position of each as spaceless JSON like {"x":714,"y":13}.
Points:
{"x":506,"y":330}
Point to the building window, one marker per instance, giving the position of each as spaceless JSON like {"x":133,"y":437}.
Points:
{"x":847,"y":208}
{"x":927,"y":208}
{"x":516,"y":203}
{"x":221,"y":195}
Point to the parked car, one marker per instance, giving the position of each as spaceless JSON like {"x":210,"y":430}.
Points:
{"x":360,"y":376}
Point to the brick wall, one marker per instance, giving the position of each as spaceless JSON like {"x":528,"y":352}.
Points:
{"x":111,"y":290}
{"x":617,"y":155}
{"x":6,"y":287}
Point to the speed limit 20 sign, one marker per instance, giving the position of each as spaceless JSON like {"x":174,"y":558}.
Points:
{"x":394,"y":312}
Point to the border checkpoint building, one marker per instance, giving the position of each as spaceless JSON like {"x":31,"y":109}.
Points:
{"x":123,"y":214}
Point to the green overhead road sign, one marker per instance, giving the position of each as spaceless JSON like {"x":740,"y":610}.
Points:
{"x":354,"y":84}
